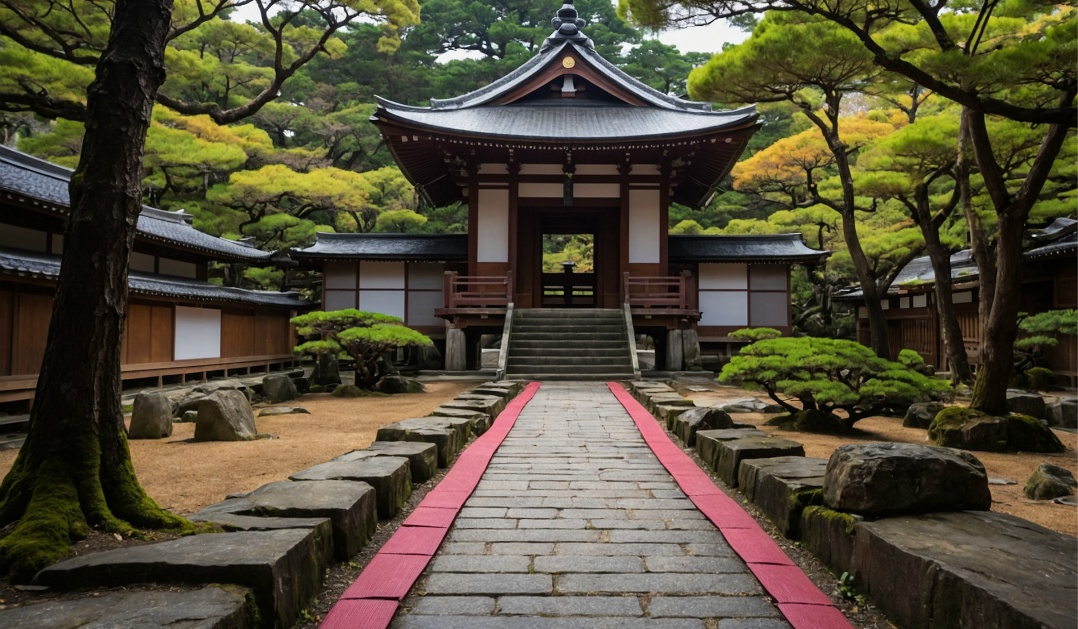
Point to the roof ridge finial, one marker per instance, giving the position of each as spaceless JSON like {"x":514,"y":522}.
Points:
{"x":567,"y":25}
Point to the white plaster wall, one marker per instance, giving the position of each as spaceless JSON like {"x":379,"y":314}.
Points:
{"x":493,"y":228}
{"x":22,"y":238}
{"x":920,"y":301}
{"x":381,"y":274}
{"x":723,"y":276}
{"x":596,"y":169}
{"x":540,"y":169}
{"x":426,"y":275}
{"x":767,"y":277}
{"x":768,"y":309}
{"x":177,"y":268}
{"x":390,"y":302}
{"x":962,"y":298}
{"x":533,"y":190}
{"x":596,"y":190}
{"x":339,"y":275}
{"x":339,"y":300}
{"x":141,"y":262}
{"x":421,"y":305}
{"x":198,"y":333}
{"x":724,"y":308}
{"x":643,"y":226}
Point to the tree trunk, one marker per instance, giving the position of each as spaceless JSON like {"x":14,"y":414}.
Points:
{"x":877,"y":322}
{"x":74,"y":471}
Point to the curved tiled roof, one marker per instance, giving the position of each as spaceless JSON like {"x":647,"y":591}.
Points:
{"x":410,"y":247}
{"x":743,"y":248}
{"x":36,"y":180}
{"x":47,"y":266}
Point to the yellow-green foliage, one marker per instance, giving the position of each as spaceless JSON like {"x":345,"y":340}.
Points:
{"x":828,"y":374}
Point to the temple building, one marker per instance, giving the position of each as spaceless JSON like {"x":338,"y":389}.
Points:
{"x":565,"y":144}
{"x":179,"y":325}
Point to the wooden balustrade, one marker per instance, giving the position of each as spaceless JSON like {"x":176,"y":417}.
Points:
{"x":669,"y":292}
{"x":478,"y":291}
{"x":569,"y":290}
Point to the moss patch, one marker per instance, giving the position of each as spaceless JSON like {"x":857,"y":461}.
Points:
{"x":1027,"y":434}
{"x":844,"y":520}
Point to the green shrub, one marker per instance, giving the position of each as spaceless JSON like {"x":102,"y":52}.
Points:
{"x":829,"y":375}
{"x":751,"y":335}
{"x":1040,"y":379}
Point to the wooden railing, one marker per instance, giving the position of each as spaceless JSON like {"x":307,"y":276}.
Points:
{"x":569,"y":290}
{"x":657,"y":292}
{"x":478,"y":291}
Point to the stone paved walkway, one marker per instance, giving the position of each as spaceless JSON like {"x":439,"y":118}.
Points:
{"x":576,"y":524}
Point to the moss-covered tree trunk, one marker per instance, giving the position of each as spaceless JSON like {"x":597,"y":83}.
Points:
{"x":74,"y":470}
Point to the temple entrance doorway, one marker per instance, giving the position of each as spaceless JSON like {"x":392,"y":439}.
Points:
{"x":568,"y":258}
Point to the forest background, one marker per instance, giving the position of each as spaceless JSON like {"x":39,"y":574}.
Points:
{"x":310,"y":161}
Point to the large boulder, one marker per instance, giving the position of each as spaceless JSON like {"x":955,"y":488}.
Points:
{"x":278,"y":388}
{"x":188,"y":403}
{"x":921,"y":414}
{"x":880,"y":479}
{"x":151,"y":417}
{"x":225,"y":416}
{"x":1062,"y":412}
{"x":1050,"y":481}
{"x":399,"y":384}
{"x":1025,"y":403}
{"x":957,"y":427}
{"x":689,"y":422}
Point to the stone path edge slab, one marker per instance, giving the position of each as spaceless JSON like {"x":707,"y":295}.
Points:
{"x":399,"y":569}
{"x":799,"y":600}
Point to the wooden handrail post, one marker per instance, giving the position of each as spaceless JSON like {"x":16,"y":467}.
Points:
{"x":683,"y":294}
{"x":509,"y":286}
{"x":626,"y":282}
{"x":450,"y":276}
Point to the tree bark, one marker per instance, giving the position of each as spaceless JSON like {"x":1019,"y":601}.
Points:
{"x":74,"y":471}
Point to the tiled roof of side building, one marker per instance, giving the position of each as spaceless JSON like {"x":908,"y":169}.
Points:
{"x":409,"y":247}
{"x":47,"y":266}
{"x":37,"y":180}
{"x":743,"y":248}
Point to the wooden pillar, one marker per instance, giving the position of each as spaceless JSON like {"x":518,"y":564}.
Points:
{"x":473,"y":216}
{"x":625,"y":169}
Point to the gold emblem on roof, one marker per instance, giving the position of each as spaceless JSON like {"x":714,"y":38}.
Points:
{"x":568,"y":62}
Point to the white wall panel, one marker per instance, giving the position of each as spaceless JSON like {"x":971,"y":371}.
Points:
{"x":596,"y":191}
{"x":381,"y":274}
{"x":546,"y":190}
{"x":339,"y":300}
{"x":723,"y":276}
{"x":177,"y":268}
{"x":493,"y":228}
{"x":540,"y":169}
{"x":920,"y":301}
{"x":429,"y":275}
{"x":643,"y":226}
{"x":962,"y":298}
{"x":768,"y":309}
{"x":339,"y":275}
{"x":421,"y":305}
{"x":22,"y":238}
{"x":198,"y":333}
{"x":767,"y":277}
{"x":596,"y":169}
{"x":724,"y":308}
{"x":390,"y":302}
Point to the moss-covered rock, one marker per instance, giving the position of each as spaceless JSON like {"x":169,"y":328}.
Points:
{"x":351,"y":390}
{"x":1050,"y":481}
{"x":1028,"y":434}
{"x":957,"y":427}
{"x":812,"y":420}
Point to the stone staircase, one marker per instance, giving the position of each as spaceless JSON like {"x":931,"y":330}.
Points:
{"x":569,"y":344}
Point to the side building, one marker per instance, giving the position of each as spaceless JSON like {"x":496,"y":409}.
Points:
{"x":179,"y":326}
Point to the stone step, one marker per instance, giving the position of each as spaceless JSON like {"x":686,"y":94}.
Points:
{"x":12,"y":442}
{"x":568,"y":361}
{"x":571,"y":369}
{"x":440,"y":431}
{"x":14,"y":423}
{"x":215,"y":607}
{"x":351,"y":507}
{"x":708,"y":442}
{"x":782,"y":487}
{"x":554,"y":313}
{"x":515,"y":351}
{"x":568,"y":324}
{"x":283,"y":567}
{"x":622,"y":376}
{"x":732,"y":453}
{"x":390,"y":476}
{"x":422,"y":457}
{"x":562,"y":337}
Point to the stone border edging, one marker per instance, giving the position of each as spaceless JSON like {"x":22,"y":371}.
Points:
{"x":798,"y":599}
{"x":371,"y":601}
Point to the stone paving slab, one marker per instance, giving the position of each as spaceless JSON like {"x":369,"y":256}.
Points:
{"x":284,"y":567}
{"x":422,"y":457}
{"x":732,"y":453}
{"x":782,"y":487}
{"x":436,"y":430}
{"x":575,"y":524}
{"x":207,"y":608}
{"x":350,"y":507}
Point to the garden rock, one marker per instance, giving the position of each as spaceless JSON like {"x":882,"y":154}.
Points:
{"x":1025,"y":403}
{"x":963,"y":428}
{"x":189,"y":417}
{"x":689,"y":422}
{"x":399,"y":384}
{"x":708,"y":442}
{"x":429,"y":358}
{"x":225,"y":416}
{"x":303,"y":385}
{"x":921,"y":414}
{"x":207,"y":388}
{"x":151,"y":417}
{"x":188,"y":402}
{"x":782,"y":487}
{"x":278,"y":388}
{"x":1050,"y":481}
{"x":283,"y":410}
{"x":1062,"y":412}
{"x":349,"y":505}
{"x":880,"y":479}
{"x":749,"y":405}
{"x":389,"y":475}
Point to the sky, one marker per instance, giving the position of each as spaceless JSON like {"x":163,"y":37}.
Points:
{"x":708,"y":38}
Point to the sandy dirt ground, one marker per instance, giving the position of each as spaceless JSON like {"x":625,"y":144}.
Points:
{"x":184,"y":476}
{"x":1005,"y":498}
